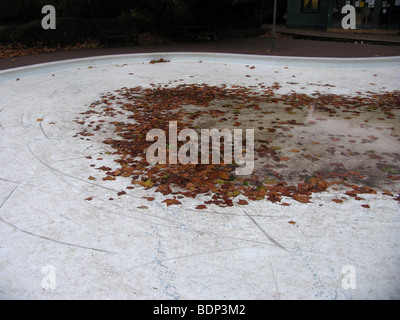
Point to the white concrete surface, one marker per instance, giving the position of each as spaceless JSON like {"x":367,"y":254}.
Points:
{"x":104,"y":249}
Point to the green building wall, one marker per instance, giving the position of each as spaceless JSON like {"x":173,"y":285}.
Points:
{"x":296,"y":18}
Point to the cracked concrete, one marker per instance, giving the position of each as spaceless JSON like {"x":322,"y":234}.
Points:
{"x":103,"y":249}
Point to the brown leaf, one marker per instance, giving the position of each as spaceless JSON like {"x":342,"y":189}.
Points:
{"x":300,"y":198}
{"x":387,"y":193}
{"x":171,"y":202}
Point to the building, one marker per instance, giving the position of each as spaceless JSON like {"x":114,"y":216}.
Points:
{"x":371,"y":15}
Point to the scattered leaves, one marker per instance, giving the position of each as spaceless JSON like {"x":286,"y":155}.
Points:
{"x":149,"y":108}
{"x":161,"y":60}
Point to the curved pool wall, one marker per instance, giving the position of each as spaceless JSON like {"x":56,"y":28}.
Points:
{"x":43,"y":68}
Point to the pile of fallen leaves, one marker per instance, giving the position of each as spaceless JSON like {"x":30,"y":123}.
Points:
{"x":145,"y":109}
{"x":161,"y":60}
{"x":269,"y":35}
{"x":19,"y":49}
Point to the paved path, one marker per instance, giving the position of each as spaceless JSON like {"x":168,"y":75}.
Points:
{"x":371,"y":36}
{"x":283,"y":47}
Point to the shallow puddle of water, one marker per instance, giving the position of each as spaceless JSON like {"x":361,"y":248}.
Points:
{"x":330,"y":140}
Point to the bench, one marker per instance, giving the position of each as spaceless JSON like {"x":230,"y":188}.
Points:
{"x":196,"y":33}
{"x":118,"y":32}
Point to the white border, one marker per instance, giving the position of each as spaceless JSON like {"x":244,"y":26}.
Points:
{"x":311,"y":62}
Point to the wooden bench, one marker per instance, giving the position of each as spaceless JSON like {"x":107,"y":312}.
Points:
{"x":196,"y":33}
{"x":119,"y":32}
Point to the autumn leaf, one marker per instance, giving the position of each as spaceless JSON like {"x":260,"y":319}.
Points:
{"x":270,"y":181}
{"x":147,"y":184}
{"x":387,"y":193}
{"x":171,"y":202}
{"x":116,"y":173}
{"x":224,"y":176}
{"x":201,"y":207}
{"x":164,"y":189}
{"x":300,"y":198}
{"x":233,"y":194}
{"x":389,"y":170}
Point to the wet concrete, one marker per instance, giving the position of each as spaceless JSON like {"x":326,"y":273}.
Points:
{"x":305,"y":140}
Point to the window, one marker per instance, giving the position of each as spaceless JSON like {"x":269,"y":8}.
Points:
{"x":310,"y":6}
